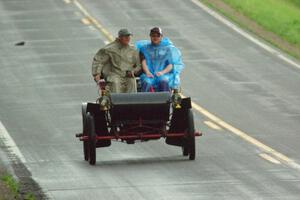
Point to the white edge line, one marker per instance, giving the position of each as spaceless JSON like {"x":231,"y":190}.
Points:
{"x":211,"y":116}
{"x":223,"y":124}
{"x":10,"y":144}
{"x":245,"y":34}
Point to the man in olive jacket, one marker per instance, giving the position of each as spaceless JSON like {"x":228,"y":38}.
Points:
{"x":117,"y":63}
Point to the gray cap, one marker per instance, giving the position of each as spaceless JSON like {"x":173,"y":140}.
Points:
{"x":124,"y":32}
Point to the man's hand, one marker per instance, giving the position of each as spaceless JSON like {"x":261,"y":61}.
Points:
{"x":129,"y":74}
{"x":97,"y":78}
{"x":149,"y":75}
{"x":159,"y":73}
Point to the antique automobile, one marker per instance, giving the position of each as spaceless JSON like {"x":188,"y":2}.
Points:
{"x":142,"y":116}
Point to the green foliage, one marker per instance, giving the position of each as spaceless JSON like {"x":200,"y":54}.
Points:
{"x":11,"y":183}
{"x":279,"y":16}
{"x":29,"y":196}
{"x":296,"y":2}
{"x":14,"y":187}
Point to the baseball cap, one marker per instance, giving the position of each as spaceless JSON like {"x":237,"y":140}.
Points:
{"x":156,"y":30}
{"x":124,"y":32}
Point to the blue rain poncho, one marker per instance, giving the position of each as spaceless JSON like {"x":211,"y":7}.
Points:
{"x":158,"y":57}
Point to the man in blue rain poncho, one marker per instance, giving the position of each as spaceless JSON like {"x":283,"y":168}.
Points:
{"x":161,"y":63}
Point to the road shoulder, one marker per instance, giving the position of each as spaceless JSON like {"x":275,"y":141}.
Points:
{"x":16,"y":181}
{"x":252,"y":26}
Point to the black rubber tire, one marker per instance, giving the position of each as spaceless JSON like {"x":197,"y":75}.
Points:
{"x":90,"y":124}
{"x":84,"y":131}
{"x":185,"y":151}
{"x":191,"y":135}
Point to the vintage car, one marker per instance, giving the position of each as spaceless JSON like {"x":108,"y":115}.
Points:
{"x":143,"y":116}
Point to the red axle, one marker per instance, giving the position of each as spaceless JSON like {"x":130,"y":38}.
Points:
{"x":135,"y":136}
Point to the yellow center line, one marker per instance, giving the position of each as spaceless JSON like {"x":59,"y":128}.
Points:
{"x":85,"y":21}
{"x":212,"y":125}
{"x":94,"y":21}
{"x":200,"y":109}
{"x":246,"y":137}
{"x":269,"y":158}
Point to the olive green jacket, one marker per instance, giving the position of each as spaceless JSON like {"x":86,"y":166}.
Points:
{"x":115,"y":59}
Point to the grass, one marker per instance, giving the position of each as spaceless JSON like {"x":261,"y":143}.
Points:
{"x":11,"y":183}
{"x":296,"y":2}
{"x":29,"y":196}
{"x":14,"y":188}
{"x":281,"y":17}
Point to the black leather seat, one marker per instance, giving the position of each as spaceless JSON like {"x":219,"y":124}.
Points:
{"x":142,"y":105}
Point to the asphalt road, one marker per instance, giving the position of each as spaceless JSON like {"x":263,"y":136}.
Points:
{"x":43,"y":83}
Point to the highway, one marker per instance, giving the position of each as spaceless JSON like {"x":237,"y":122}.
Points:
{"x":246,"y":102}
